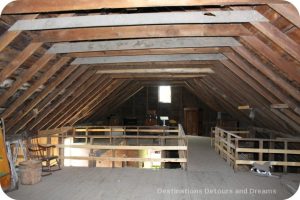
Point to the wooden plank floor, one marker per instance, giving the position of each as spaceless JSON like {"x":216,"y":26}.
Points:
{"x":206,"y":170}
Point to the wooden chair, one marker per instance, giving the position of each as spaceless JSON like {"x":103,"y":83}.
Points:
{"x":45,"y":154}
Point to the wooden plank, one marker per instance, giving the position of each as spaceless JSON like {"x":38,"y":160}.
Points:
{"x":257,"y":63}
{"x":287,"y":11}
{"x":124,"y":159}
{"x":19,"y":60}
{"x":247,"y":107}
{"x":291,"y":69}
{"x":135,"y":32}
{"x":279,"y":106}
{"x":279,"y":38}
{"x":200,"y":17}
{"x":42,"y":104}
{"x":38,"y":6}
{"x":48,"y":74}
{"x":276,"y":163}
{"x":158,"y":77}
{"x":9,"y":36}
{"x":113,"y":147}
{"x":49,"y":88}
{"x":153,"y":71}
{"x":139,"y":52}
{"x":182,"y":42}
{"x":263,"y":81}
{"x":277,"y":151}
{"x":25,"y":77}
{"x":148,"y":58}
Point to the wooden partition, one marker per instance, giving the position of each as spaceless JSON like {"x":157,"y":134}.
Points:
{"x":130,"y":138}
{"x":240,"y":151}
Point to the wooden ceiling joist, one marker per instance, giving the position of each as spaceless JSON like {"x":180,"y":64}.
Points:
{"x":19,"y":60}
{"x":154,"y":71}
{"x":43,"y":102}
{"x":135,"y":32}
{"x":200,"y":17}
{"x":49,"y":88}
{"x":147,"y":58}
{"x":41,"y":63}
{"x":158,"y":43}
{"x":151,"y":52}
{"x":40,"y":6}
{"x":48,"y":74}
{"x":9,"y":36}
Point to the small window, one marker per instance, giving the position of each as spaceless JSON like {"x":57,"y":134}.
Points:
{"x":164,"y":94}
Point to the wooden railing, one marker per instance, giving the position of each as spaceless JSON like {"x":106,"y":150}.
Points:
{"x":115,"y":139}
{"x":238,"y":151}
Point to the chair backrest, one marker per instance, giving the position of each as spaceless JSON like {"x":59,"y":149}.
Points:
{"x":34,"y":151}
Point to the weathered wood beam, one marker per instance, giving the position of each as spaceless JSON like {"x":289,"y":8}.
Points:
{"x":80,"y":106}
{"x":41,"y":63}
{"x":74,"y":105}
{"x":210,"y":50}
{"x":200,"y":17}
{"x":259,"y":88}
{"x":49,"y":88}
{"x":158,"y":43}
{"x":61,"y":99}
{"x":156,"y":76}
{"x":115,"y":99}
{"x":287,"y":11}
{"x":291,"y":69}
{"x":279,"y":38}
{"x":54,"y":116}
{"x":93,"y":104}
{"x":45,"y":101}
{"x":153,"y":71}
{"x":147,"y":58}
{"x":40,"y":6}
{"x":48,"y":74}
{"x":279,"y":106}
{"x":257,"y":63}
{"x":19,"y":60}
{"x":135,"y":32}
{"x":263,"y":81}
{"x":9,"y":36}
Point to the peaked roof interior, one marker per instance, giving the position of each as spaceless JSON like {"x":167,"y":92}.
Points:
{"x":62,"y":61}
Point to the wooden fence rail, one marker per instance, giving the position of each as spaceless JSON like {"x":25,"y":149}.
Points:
{"x":239,"y":151}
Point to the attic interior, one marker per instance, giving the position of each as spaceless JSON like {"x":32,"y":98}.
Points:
{"x":149,"y":97}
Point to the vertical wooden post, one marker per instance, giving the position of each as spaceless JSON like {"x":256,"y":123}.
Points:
{"x":236,"y":154}
{"x":261,"y":146}
{"x":221,"y":143}
{"x":285,"y":156}
{"x":113,"y":155}
{"x":110,"y":135}
{"x":138,"y":134}
{"x":228,"y":148}
{"x":86,"y":134}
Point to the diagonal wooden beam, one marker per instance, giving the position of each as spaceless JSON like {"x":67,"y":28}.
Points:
{"x":135,"y":32}
{"x":287,"y":11}
{"x":9,"y":36}
{"x":80,"y":106}
{"x":49,"y":88}
{"x":41,"y":63}
{"x":263,"y":81}
{"x":256,"y":62}
{"x":45,"y":101}
{"x":63,"y":108}
{"x":19,"y":60}
{"x":279,"y":38}
{"x":48,"y":74}
{"x":257,"y":87}
{"x":61,"y":99}
{"x":39,"y":6}
{"x":74,"y":105}
{"x":86,"y":111}
{"x":157,"y":43}
{"x":291,"y":69}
